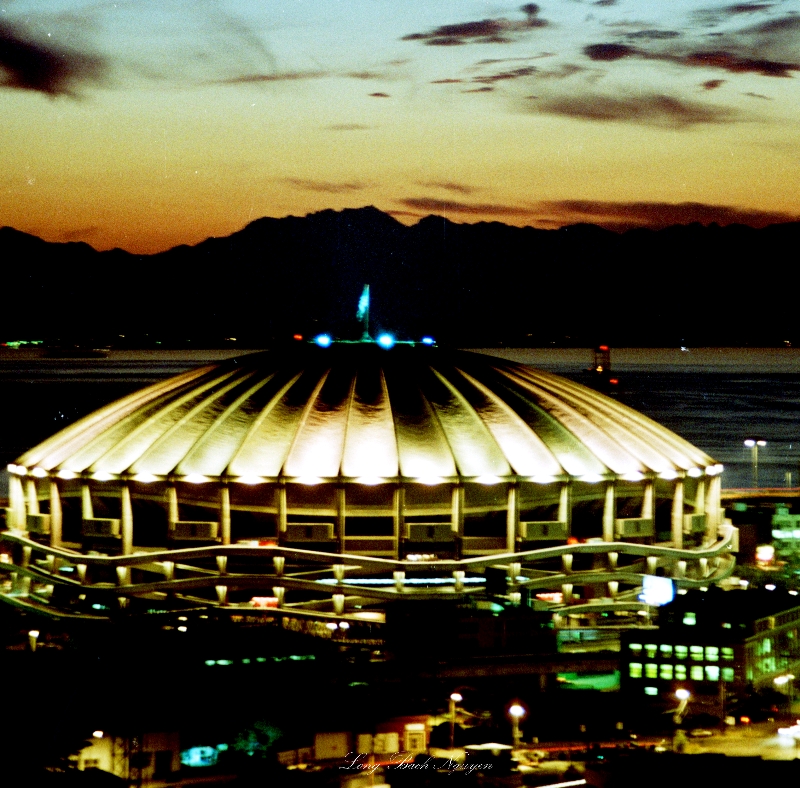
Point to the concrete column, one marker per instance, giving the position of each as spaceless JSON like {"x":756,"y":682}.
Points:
{"x":457,"y":517}
{"x":712,"y":506}
{"x":32,"y":496}
{"x":648,"y":500}
{"x":341,"y":513}
{"x":565,"y":505}
{"x":399,"y":510}
{"x":225,"y":513}
{"x":280,"y":506}
{"x":127,"y":518}
{"x":87,"y":511}
{"x":512,"y":517}
{"x":677,"y":514}
{"x":609,"y":512}
{"x":56,"y":519}
{"x":700,"y":497}
{"x":16,"y":502}
{"x":172,"y":504}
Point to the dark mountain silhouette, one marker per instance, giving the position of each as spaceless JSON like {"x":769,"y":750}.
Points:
{"x":466,"y":284}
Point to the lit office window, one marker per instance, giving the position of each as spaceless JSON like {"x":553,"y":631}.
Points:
{"x":690,"y":619}
{"x":766,"y":646}
{"x":651,"y":690}
{"x":665,"y":671}
{"x":712,"y":654}
{"x":727,"y":674}
{"x":680,"y":672}
{"x":696,"y":673}
{"x":636,"y":648}
{"x":681,"y":652}
{"x":635,"y":670}
{"x":727,"y":653}
{"x":650,"y":650}
{"x":666,"y":651}
{"x":712,"y":673}
{"x":651,"y":670}
{"x":697,"y":653}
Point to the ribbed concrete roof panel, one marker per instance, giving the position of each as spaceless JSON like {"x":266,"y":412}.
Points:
{"x":359,"y":412}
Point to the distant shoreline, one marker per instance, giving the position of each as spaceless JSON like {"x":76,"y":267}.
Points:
{"x":704,"y":359}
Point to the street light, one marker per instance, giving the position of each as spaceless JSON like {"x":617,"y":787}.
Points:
{"x":516,"y":712}
{"x":455,"y":697}
{"x":753,"y":444}
{"x":683,"y":696}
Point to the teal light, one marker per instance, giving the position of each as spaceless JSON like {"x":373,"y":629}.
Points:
{"x":323,"y":340}
{"x":428,"y":341}
{"x":385,"y":340}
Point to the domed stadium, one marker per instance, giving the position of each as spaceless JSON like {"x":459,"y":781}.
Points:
{"x":314,"y":485}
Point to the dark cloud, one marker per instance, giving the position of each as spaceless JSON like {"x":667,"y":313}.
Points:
{"x":470,"y":209}
{"x":37,"y":64}
{"x":653,"y":35}
{"x":78,"y":234}
{"x":445,"y":81}
{"x":324,"y":186}
{"x":608,"y":52}
{"x":786,"y":24}
{"x":712,"y":84}
{"x":348,"y":127}
{"x":746,"y":8}
{"x":285,"y":76}
{"x":449,"y":186}
{"x":501,"y":76}
{"x":723,"y":58}
{"x":485,"y":31}
{"x":627,"y":215}
{"x":649,"y":110}
{"x":364,"y":75}
{"x":728,"y":61}
{"x":562,"y":72}
{"x":758,"y":96}
{"x":605,"y":3}
{"x":379,"y":95}
{"x":484,"y":89}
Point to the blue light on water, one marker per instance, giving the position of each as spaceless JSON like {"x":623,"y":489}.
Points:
{"x":323,"y":340}
{"x":385,"y":340}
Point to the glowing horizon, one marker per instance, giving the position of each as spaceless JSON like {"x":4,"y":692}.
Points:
{"x":146,"y":125}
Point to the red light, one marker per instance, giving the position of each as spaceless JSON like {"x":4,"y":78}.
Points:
{"x":745,"y":720}
{"x":266,"y":543}
{"x":264,"y":602}
{"x":603,"y":347}
{"x":613,"y":381}
{"x":572,"y":540}
{"x":298,"y":337}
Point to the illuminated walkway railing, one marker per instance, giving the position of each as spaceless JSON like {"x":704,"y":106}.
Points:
{"x":62,"y":582}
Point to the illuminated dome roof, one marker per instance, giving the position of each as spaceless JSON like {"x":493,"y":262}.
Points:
{"x":364,"y":414}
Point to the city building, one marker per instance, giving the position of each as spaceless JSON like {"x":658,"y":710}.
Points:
{"x":312,"y":486}
{"x":715,"y":642}
{"x":146,"y":758}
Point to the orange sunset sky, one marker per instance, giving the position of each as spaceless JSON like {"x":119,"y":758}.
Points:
{"x":150,"y":123}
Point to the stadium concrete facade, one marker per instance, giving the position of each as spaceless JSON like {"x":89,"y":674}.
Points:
{"x":314,"y":485}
